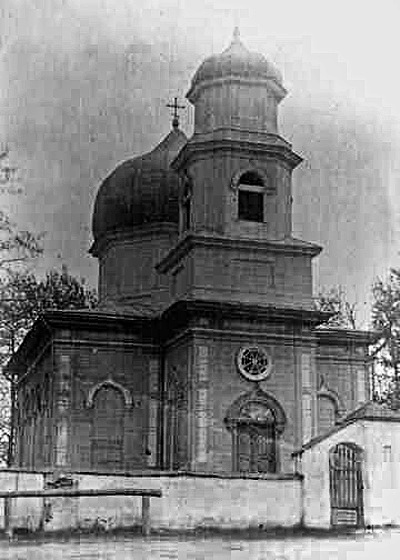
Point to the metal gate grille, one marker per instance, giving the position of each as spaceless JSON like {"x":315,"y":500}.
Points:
{"x":346,"y":487}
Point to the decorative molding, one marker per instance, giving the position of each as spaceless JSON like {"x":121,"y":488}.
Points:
{"x":153,"y":408}
{"x":287,"y":246}
{"x":109,"y":383}
{"x":235,"y":181}
{"x":245,"y":143}
{"x":307,"y":383}
{"x":325,"y":392}
{"x":257,"y":396}
{"x":135,"y":234}
{"x":361,"y":386}
{"x":254,"y":357}
{"x":307,"y":416}
{"x":202,"y":402}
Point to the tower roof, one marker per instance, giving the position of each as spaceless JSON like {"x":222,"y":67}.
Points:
{"x":235,"y":61}
{"x":140,"y":191}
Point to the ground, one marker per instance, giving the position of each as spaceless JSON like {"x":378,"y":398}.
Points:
{"x":363,"y":546}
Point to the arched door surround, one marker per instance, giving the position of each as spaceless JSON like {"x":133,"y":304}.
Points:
{"x":108,"y":402}
{"x":256,"y":421}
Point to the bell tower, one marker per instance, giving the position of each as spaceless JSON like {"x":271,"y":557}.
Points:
{"x":235,"y":238}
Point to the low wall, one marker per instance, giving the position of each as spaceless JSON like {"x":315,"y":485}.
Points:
{"x":27,"y":512}
{"x":188,"y":502}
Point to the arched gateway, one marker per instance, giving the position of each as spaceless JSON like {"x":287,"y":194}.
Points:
{"x":346,"y":486}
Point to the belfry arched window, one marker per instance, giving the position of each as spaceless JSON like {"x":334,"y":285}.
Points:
{"x":251,"y":197}
{"x":186,"y":204}
{"x":255,"y":422}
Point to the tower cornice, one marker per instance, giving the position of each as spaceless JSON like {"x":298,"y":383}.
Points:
{"x":236,"y":141}
{"x":290,"y":246}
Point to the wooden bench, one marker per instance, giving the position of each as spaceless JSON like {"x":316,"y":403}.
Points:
{"x":145,"y":494}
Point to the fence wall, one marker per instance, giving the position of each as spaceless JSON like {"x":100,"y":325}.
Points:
{"x":188,"y":502}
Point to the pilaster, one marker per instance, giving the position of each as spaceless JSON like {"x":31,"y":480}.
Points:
{"x":308,"y":393}
{"x":63,"y":393}
{"x":361,"y":391}
{"x":200,"y":406}
{"x":153,"y":409}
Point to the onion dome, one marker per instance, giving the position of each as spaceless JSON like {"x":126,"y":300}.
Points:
{"x":140,"y":191}
{"x":236,"y":61}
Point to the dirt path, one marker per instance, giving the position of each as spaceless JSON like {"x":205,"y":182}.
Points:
{"x":377,"y":545}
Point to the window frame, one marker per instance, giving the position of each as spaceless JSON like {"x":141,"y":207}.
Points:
{"x":246,"y":187}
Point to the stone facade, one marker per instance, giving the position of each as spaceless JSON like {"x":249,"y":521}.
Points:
{"x":205,"y":353}
{"x":172,"y":399}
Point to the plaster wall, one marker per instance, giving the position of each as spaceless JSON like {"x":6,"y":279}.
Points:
{"x":25,"y":512}
{"x":236,"y":104}
{"x":187,"y":503}
{"x":215,"y":195}
{"x":197,"y":502}
{"x":127,"y":270}
{"x":244,"y":275}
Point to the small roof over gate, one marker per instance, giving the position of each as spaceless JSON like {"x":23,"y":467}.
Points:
{"x":370,"y":410}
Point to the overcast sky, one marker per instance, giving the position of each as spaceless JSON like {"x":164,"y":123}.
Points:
{"x":84,"y":85}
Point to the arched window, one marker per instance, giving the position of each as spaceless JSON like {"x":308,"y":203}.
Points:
{"x":251,"y":197}
{"x":107,"y":428}
{"x":326,"y":413}
{"x":186,"y":204}
{"x":186,"y":207}
{"x":251,"y":178}
{"x":255,"y":423}
{"x":330,"y":408}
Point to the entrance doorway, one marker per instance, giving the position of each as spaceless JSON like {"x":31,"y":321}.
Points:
{"x":255,"y":446}
{"x":107,"y":430}
{"x":346,"y":486}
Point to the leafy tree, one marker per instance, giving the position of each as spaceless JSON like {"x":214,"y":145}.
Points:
{"x":386,"y":350}
{"x":17,"y":248}
{"x":334,"y":300}
{"x":23,"y":298}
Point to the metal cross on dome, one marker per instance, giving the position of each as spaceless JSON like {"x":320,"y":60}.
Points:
{"x":175,"y":106}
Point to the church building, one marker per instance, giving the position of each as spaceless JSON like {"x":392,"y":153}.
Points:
{"x":206,"y":353}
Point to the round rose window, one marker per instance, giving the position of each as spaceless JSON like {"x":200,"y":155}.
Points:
{"x":254,"y":363}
